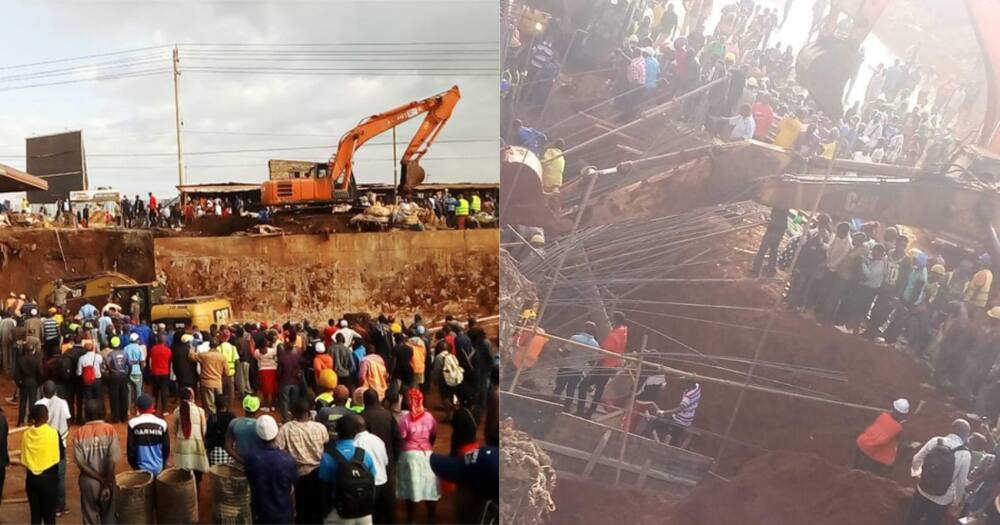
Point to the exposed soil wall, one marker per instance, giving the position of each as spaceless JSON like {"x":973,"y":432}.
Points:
{"x":31,"y":257}
{"x":323,"y":276}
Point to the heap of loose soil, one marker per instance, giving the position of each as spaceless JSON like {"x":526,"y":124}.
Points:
{"x":785,"y":487}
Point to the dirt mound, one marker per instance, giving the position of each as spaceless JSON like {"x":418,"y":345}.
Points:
{"x":528,"y":479}
{"x":585,"y":503}
{"x":794,"y":488}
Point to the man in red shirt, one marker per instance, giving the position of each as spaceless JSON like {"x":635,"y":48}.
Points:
{"x":159,"y":368}
{"x":763,"y":116}
{"x":605,"y":368}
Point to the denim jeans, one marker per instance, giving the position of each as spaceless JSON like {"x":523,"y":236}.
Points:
{"x":135,"y":385}
{"x":288,"y":394}
{"x":61,"y":487}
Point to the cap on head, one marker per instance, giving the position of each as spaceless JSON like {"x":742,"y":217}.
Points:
{"x":144,"y":402}
{"x":343,"y":323}
{"x":327,"y":379}
{"x":901,"y":405}
{"x":133,"y":337}
{"x":961,"y":428}
{"x":251,"y":403}
{"x":320,"y":347}
{"x":267,"y":428}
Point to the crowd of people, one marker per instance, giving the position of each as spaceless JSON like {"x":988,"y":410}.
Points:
{"x":905,"y":115}
{"x":328,"y":422}
{"x":455,"y":210}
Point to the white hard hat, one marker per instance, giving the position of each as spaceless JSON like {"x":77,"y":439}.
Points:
{"x":133,"y":337}
{"x":343,"y":323}
{"x":320,"y":348}
{"x":901,"y":405}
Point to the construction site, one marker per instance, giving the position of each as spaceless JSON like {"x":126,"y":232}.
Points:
{"x":657,"y":217}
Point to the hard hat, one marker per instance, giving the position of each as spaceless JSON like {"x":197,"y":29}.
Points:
{"x":752,"y":82}
{"x":320,"y":348}
{"x":396,"y":328}
{"x":730,"y":58}
{"x":133,"y":337}
{"x":528,"y":313}
{"x":115,"y":341}
{"x":634,"y":39}
{"x":327,"y":379}
{"x":537,"y":239}
{"x":938,"y":269}
{"x":994,"y":312}
{"x":251,"y":403}
{"x":901,"y":405}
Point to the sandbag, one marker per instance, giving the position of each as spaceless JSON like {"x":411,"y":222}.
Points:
{"x":134,"y":497}
{"x":230,"y":495}
{"x":176,"y":496}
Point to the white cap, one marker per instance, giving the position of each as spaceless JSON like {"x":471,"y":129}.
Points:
{"x":320,"y":348}
{"x":343,"y":323}
{"x":267,"y":428}
{"x":901,"y":405}
{"x":133,"y":337}
{"x":204,"y":347}
{"x":187,"y":338}
{"x":34,"y":312}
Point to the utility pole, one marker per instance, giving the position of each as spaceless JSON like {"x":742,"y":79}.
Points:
{"x":177,"y":120}
{"x":395,"y":167}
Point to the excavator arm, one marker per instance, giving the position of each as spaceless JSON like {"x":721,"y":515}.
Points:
{"x":438,"y":109}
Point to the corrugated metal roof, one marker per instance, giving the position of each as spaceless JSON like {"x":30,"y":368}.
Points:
{"x":12,"y":179}
{"x":219,"y":187}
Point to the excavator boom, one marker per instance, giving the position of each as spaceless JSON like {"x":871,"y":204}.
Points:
{"x":335,"y":180}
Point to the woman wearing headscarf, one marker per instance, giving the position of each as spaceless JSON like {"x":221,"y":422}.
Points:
{"x":416,"y":481}
{"x":189,"y":435}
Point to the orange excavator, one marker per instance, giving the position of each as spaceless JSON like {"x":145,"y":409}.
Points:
{"x":333,"y":182}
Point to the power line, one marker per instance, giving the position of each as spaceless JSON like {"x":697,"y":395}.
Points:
{"x":78,"y":80}
{"x":72,"y":59}
{"x":264,"y":150}
{"x":258,"y":165}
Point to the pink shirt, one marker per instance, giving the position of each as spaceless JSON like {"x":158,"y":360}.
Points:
{"x":417,"y":434}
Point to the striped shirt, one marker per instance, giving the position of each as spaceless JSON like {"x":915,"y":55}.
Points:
{"x":689,"y":405}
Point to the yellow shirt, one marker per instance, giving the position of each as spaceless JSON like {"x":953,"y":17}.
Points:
{"x":552,"y":168}
{"x":658,"y":11}
{"x":788,"y":132}
{"x":40,"y":448}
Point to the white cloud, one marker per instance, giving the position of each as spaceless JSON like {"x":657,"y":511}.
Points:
{"x":136,"y":115}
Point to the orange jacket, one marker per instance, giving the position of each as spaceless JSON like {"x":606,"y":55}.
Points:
{"x":880,"y":440}
{"x":614,"y":342}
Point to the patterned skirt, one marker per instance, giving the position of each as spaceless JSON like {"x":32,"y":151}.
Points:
{"x":415,"y":481}
{"x":218,"y":455}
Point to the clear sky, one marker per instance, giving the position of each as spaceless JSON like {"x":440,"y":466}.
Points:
{"x":247,"y":83}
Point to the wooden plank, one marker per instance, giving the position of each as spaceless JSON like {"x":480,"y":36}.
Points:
{"x":630,"y":150}
{"x":609,"y":462}
{"x":643,"y":474}
{"x":598,"y":450}
{"x":608,"y":126}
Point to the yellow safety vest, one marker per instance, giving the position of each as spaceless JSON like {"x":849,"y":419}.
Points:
{"x":477,"y":204}
{"x":462,"y":208}
{"x":231,"y":355}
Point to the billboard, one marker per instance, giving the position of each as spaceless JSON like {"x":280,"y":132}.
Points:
{"x":61,"y":161}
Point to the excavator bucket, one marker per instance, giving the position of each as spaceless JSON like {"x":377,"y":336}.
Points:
{"x":823,"y":67}
{"x":412,"y":175}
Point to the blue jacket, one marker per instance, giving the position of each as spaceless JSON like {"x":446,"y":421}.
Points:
{"x":328,"y":465}
{"x":148,"y":444}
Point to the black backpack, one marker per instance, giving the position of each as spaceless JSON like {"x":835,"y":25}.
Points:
{"x":938,"y":469}
{"x":354,"y":495}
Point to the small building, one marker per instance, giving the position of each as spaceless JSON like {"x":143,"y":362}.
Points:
{"x":248,"y":192}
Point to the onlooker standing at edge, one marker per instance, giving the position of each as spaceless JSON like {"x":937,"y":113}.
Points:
{"x":189,"y":434}
{"x":776,"y":227}
{"x":27,"y":376}
{"x":272,"y":474}
{"x":303,"y":439}
{"x":96,"y":451}
{"x":213,"y":367}
{"x":59,"y":416}
{"x":159,"y":368}
{"x":40,"y":452}
{"x":350,"y":473}
{"x":148,"y":445}
{"x":415,"y":481}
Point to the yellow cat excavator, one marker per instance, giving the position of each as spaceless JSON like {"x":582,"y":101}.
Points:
{"x":333,"y":182}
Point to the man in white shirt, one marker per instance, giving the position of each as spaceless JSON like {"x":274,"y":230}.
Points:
{"x":930,"y":503}
{"x":349,"y":333}
{"x":743,"y":124}
{"x":59,"y":415}
{"x":384,"y":497}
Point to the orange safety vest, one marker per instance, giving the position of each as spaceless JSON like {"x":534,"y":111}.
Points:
{"x":419,"y":355}
{"x":529,"y":347}
{"x":375,"y":378}
{"x":880,"y":440}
